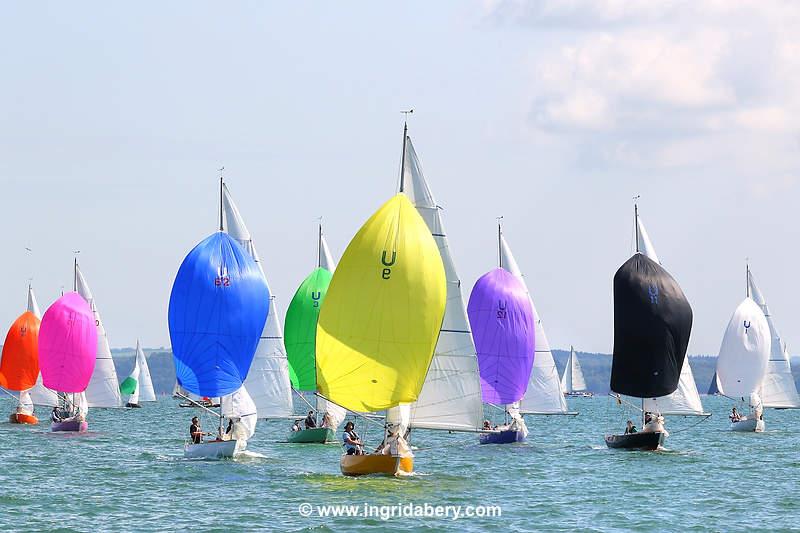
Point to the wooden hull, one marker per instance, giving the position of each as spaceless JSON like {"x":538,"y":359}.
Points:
{"x":636,"y":441}
{"x":215,"y":449}
{"x":362,"y":465}
{"x":503,"y":437}
{"x":312,"y":436}
{"x":749,"y":425}
{"x":75,"y":426}
{"x":22,"y":418}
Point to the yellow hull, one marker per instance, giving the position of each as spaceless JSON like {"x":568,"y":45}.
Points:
{"x":362,"y":465}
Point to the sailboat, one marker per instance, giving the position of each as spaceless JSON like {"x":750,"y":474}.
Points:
{"x":714,"y":386}
{"x":544,"y":395}
{"x":572,"y":381}
{"x":19,"y":365}
{"x":652,"y":326}
{"x":217,"y":310}
{"x":450,"y":399}
{"x":67,"y":354}
{"x":301,"y":333}
{"x":743,"y":361}
{"x":268,"y":381}
{"x":501,"y":317}
{"x":103,"y":389}
{"x":778,"y":389}
{"x":685,"y":401}
{"x":380,"y":322}
{"x":139,"y":385}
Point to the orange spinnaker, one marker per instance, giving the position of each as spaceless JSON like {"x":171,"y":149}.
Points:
{"x":19,"y":366}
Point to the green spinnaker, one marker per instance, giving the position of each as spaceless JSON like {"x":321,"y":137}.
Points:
{"x":300,"y":329}
{"x":128,"y":386}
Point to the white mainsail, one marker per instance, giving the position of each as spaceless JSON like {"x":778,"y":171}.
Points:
{"x":743,"y":356}
{"x":39,"y":394}
{"x":145,"y":383}
{"x":268,"y":381}
{"x":103,"y":389}
{"x":778,"y":388}
{"x":325,"y":257}
{"x":686,"y":399}
{"x":572,"y":380}
{"x":135,"y":373}
{"x":451,"y":395}
{"x":544,"y":394}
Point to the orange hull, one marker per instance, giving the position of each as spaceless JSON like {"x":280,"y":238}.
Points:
{"x":362,"y":465}
{"x":20,"y":418}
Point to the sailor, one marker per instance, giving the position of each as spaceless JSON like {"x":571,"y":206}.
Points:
{"x":296,"y":426}
{"x":487,"y":425}
{"x":630,"y":428}
{"x":735,"y":416}
{"x":310,"y":421}
{"x":352,"y":442}
{"x":195,"y":432}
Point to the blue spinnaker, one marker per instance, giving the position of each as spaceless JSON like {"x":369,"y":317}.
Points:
{"x":217,"y":310}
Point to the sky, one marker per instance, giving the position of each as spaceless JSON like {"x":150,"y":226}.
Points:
{"x":553,"y":114}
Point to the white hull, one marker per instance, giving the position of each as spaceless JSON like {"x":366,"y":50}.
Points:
{"x":748,"y":425}
{"x":218,"y":449}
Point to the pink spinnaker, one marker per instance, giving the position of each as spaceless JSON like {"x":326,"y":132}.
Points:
{"x":67,"y":344}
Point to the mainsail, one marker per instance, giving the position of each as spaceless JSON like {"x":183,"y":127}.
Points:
{"x":544,"y":394}
{"x":685,"y":400}
{"x":378,"y":327}
{"x":652,"y":325}
{"x":451,"y":395}
{"x":572,"y":380}
{"x":268,"y":381}
{"x":745,"y":350}
{"x":501,"y":318}
{"x":778,"y":388}
{"x":103,"y":389}
{"x":39,"y":394}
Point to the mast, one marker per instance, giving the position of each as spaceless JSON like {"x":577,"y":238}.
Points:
{"x":499,"y":245}
{"x":319,"y":245}
{"x":221,"y":226}
{"x":747,"y":279}
{"x":636,"y":220}
{"x":75,"y":271}
{"x":403,"y":158}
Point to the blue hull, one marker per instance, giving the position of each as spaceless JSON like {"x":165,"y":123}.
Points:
{"x":503,"y":437}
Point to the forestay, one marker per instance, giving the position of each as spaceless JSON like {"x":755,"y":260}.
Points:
{"x":778,"y":387}
{"x":451,"y":395}
{"x":544,"y":394}
{"x":103,"y":389}
{"x":743,"y":356}
{"x":268,"y":381}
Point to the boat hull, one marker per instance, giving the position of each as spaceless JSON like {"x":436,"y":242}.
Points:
{"x":312,"y":436}
{"x":362,"y":465}
{"x":22,"y":418}
{"x":748,"y":426}
{"x":215,"y":449}
{"x":584,"y":394}
{"x":74,"y":426}
{"x":133,"y":405}
{"x":644,"y":440}
{"x":507,"y":436}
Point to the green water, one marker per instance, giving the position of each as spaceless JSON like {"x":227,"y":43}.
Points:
{"x":128,"y":474}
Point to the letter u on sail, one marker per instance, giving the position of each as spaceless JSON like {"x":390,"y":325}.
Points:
{"x":376,"y":333}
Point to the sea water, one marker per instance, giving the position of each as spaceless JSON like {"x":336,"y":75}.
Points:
{"x":128,"y":474}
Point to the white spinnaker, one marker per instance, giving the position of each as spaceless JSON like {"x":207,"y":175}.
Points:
{"x":40,"y":395}
{"x":544,"y":394}
{"x":103,"y":389}
{"x":451,"y":395}
{"x":778,"y":388}
{"x":743,"y":356}
{"x":686,"y":399}
{"x":146,"y":391}
{"x":268,"y":381}
{"x":135,"y":374}
{"x":240,"y":407}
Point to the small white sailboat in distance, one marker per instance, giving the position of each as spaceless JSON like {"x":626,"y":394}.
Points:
{"x":742,"y":362}
{"x":139,"y":385}
{"x":572,"y":382}
{"x":778,"y":389}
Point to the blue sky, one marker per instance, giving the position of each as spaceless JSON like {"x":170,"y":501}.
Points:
{"x":554,"y":114}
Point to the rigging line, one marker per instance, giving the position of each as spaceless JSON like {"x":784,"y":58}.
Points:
{"x":692,"y":426}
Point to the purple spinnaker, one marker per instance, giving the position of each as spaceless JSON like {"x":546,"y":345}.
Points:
{"x":501,"y":317}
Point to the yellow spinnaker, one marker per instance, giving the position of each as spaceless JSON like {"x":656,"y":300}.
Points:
{"x":381,"y":317}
